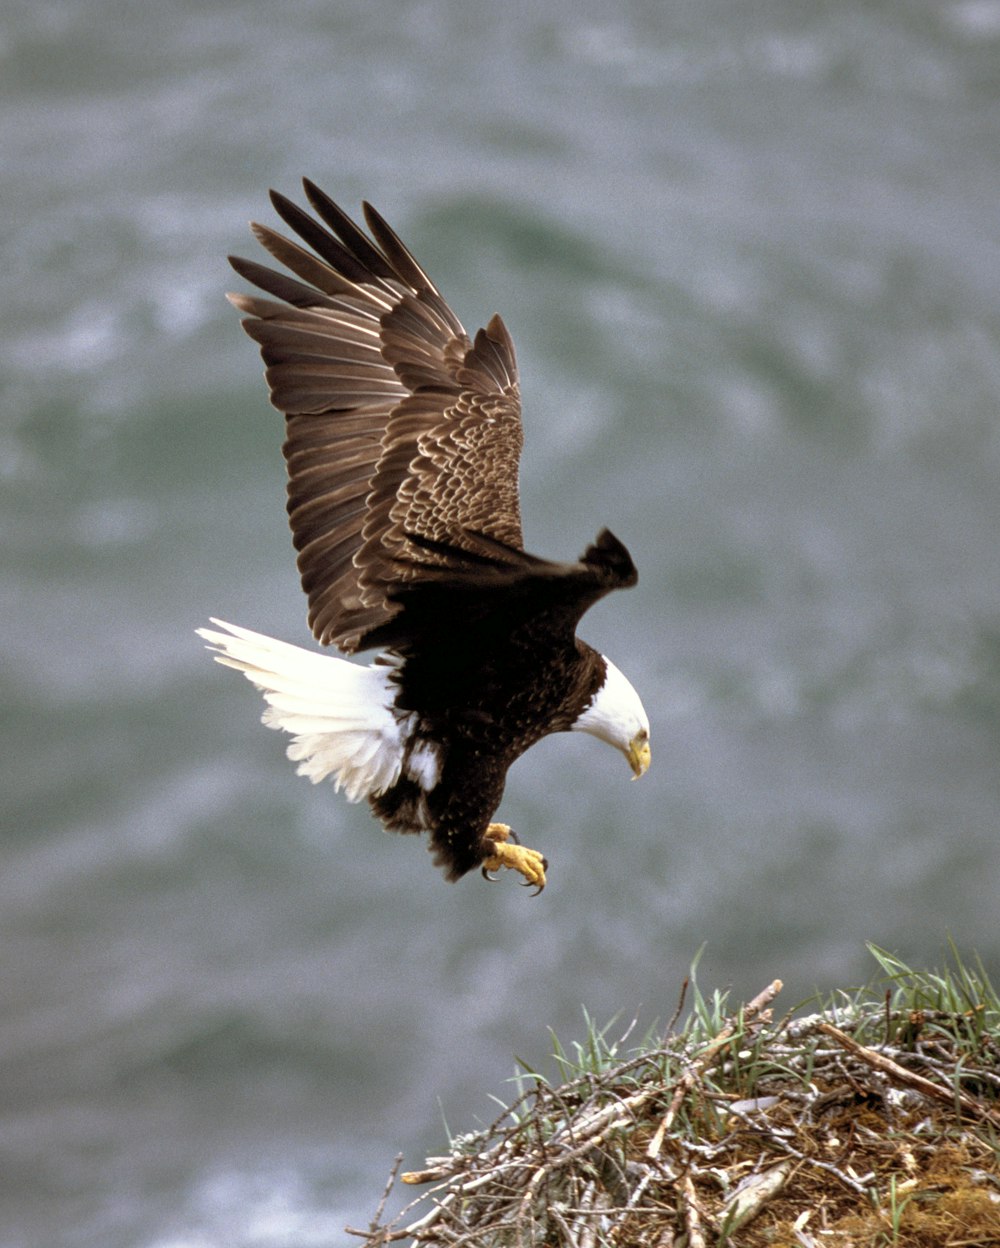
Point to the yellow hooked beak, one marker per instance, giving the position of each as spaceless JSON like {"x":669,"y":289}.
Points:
{"x":639,"y":754}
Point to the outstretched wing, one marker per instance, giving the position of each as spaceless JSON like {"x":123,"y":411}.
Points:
{"x":463,"y":636}
{"x":397,"y":424}
{"x":489,"y":594}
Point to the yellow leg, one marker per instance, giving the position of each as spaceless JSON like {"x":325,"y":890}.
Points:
{"x":506,"y":853}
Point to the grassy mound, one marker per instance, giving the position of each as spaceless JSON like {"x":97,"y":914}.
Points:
{"x":872,"y":1120}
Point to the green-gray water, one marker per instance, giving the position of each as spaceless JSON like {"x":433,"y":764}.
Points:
{"x":749,"y":256}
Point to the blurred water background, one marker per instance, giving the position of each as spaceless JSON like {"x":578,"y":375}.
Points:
{"x":750,"y":256}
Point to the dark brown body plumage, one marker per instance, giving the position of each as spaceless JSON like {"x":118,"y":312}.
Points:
{"x":403,"y":442}
{"x":491,"y":665}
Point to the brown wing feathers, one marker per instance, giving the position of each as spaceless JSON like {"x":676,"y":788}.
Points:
{"x":488,"y":589}
{"x":396,"y":422}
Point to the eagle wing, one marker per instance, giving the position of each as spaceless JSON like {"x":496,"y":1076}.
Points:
{"x":465,"y":630}
{"x":399,"y":427}
{"x":487,"y":591}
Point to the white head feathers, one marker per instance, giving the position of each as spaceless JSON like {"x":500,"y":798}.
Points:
{"x":616,"y":715}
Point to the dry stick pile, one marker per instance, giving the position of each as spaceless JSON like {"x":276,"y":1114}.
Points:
{"x":667,"y":1148}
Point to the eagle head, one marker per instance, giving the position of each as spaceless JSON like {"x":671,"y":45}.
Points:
{"x":616,"y":715}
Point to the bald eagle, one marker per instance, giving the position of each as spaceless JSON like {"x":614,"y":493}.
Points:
{"x":402,"y":445}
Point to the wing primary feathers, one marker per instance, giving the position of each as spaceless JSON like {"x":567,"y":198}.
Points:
{"x":396,"y":251}
{"x":304,"y":265}
{"x":609,"y":556}
{"x":298,"y":294}
{"x":323,"y":243}
{"x":342,"y":225}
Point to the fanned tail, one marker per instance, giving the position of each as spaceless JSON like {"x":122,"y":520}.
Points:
{"x":338,"y":712}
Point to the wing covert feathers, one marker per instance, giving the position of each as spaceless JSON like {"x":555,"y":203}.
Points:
{"x":397,"y":423}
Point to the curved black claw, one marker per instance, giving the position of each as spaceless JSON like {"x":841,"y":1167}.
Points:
{"x":493,"y":879}
{"x":540,"y":887}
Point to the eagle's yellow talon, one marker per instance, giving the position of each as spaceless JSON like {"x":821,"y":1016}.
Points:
{"x":529,"y":862}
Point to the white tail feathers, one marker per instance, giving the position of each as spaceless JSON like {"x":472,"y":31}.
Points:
{"x":339,"y":712}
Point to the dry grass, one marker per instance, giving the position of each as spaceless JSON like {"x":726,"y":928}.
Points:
{"x":872,"y":1121}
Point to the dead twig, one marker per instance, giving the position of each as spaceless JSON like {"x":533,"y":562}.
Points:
{"x":878,"y":1061}
{"x":705,"y":1060}
{"x":692,"y":1213}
